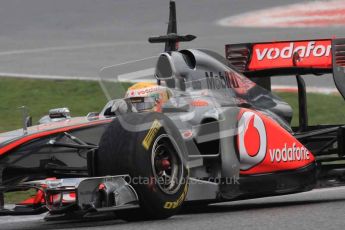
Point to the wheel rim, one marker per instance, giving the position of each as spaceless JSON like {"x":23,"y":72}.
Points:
{"x":167,"y":164}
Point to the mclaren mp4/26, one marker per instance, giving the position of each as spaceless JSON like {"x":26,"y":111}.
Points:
{"x":206,"y":129}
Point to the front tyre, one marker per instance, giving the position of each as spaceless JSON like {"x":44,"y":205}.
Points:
{"x":149,"y":148}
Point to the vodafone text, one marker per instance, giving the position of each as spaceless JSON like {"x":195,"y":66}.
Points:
{"x":292,"y":153}
{"x":286,"y":53}
{"x":147,"y":90}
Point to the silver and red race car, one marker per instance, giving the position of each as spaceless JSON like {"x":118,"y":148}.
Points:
{"x":196,"y":128}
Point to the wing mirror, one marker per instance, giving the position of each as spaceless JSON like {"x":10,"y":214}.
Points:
{"x":27,"y":120}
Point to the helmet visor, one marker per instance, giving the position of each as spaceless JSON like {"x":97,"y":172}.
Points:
{"x":143,"y":103}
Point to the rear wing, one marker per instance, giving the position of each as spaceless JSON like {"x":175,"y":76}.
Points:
{"x":263,"y":60}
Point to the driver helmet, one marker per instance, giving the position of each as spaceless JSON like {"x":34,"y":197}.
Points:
{"x":147,"y":96}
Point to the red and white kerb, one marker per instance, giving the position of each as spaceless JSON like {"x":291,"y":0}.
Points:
{"x":304,"y":14}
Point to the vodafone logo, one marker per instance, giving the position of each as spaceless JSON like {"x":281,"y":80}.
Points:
{"x":310,"y":49}
{"x":147,"y":91}
{"x":142,"y":92}
{"x":292,"y":153}
{"x":316,"y":53}
{"x":252,"y":140}
{"x":265,"y":147}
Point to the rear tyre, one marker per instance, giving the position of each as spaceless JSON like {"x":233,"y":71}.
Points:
{"x":149,"y":148}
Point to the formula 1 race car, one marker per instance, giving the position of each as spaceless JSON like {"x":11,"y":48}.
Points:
{"x":195,"y":129}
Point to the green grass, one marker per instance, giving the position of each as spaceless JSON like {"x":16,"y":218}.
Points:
{"x":19,"y":196}
{"x":86,"y":96}
{"x":322,"y":109}
{"x":39,"y":96}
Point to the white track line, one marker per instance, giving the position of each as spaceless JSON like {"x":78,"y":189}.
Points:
{"x":277,"y":88}
{"x":63,"y":48}
{"x":47,"y":77}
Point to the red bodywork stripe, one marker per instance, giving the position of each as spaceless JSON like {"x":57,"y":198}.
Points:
{"x":25,"y":139}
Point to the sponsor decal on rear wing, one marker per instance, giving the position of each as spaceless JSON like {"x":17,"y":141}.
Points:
{"x":286,"y":54}
{"x":316,"y":54}
{"x":267,"y":59}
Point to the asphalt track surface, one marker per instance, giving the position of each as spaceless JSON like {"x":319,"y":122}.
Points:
{"x":318,"y":209}
{"x":78,"y":37}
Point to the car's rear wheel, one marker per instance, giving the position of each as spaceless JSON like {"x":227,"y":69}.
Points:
{"x":150,"y":149}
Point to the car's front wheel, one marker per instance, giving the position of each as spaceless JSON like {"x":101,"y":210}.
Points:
{"x":150,"y":149}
